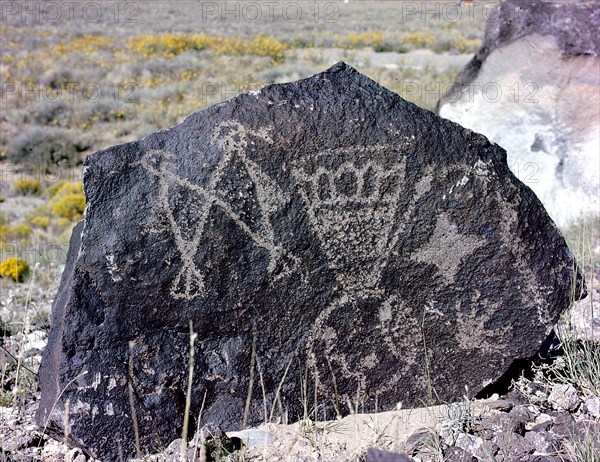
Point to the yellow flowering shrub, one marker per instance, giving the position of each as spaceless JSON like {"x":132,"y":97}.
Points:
{"x":420,"y":39}
{"x":70,"y":206}
{"x":68,"y":201}
{"x":465,"y":45}
{"x":52,"y":190}
{"x":63,"y":223}
{"x":20,"y":231}
{"x":40,"y":222}
{"x":27,"y":187}
{"x":363,"y":39}
{"x":66,"y":187}
{"x":15,"y":268}
{"x":85,"y":44}
{"x":173,"y":45}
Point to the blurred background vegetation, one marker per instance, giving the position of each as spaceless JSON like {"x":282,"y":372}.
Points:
{"x":89,"y":83}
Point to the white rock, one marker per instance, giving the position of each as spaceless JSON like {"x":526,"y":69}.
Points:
{"x":253,"y":437}
{"x":544,"y":124}
{"x":592,"y":406}
{"x":36,"y":340}
{"x":563,"y":397}
{"x":470,"y":443}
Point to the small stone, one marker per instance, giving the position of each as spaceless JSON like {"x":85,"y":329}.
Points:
{"x":488,"y":426}
{"x":253,"y":437}
{"x":563,"y":397}
{"x":475,"y":445}
{"x":380,"y":455}
{"x":540,"y":428}
{"x":515,"y":445}
{"x":215,"y":442}
{"x":520,"y":415}
{"x":543,"y":417}
{"x":592,"y":406}
{"x":456,"y":454}
{"x":426,"y":456}
{"x":75,"y":455}
{"x":501,"y":405}
{"x":563,"y":425}
{"x":174,"y":447}
{"x":541,"y":421}
{"x":543,"y":442}
{"x":418,"y":440}
{"x":36,"y":340}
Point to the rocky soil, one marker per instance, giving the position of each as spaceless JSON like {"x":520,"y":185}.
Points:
{"x":561,"y":426}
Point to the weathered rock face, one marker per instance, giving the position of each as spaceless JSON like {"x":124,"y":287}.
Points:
{"x":325,"y":237}
{"x":534,"y":88}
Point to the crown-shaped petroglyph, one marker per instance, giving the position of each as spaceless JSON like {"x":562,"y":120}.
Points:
{"x":234,"y":140}
{"x":349,"y":184}
{"x":352,"y":210}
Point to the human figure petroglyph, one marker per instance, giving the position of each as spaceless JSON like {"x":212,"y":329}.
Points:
{"x":353,"y":210}
{"x":233,"y":139}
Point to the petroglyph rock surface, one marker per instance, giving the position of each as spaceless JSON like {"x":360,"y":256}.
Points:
{"x":534,"y":88}
{"x":325,"y":238}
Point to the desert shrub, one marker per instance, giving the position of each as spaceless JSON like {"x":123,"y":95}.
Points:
{"x":68,"y":202}
{"x":419,"y":39}
{"x":364,"y":39}
{"x":464,"y":44}
{"x":85,"y":44}
{"x":105,"y":111}
{"x":45,"y":146}
{"x":51,"y":191}
{"x":40,"y":222}
{"x":70,"y":207}
{"x":51,"y":114}
{"x":173,"y":45}
{"x":27,"y":187}
{"x":20,"y":231}
{"x":57,"y":78}
{"x":284,"y":73}
{"x":4,"y":232}
{"x":1,"y":198}
{"x":63,"y":223}
{"x":63,"y":188}
{"x":15,"y":268}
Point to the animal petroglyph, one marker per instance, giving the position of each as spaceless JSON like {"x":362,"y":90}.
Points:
{"x":233,"y":139}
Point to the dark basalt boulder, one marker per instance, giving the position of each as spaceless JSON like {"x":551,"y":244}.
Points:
{"x":332,"y":246}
